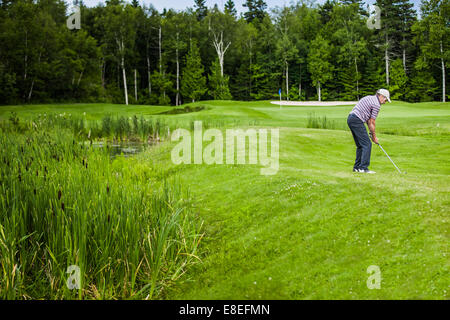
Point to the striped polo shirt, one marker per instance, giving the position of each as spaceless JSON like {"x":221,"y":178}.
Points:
{"x":366,"y":108}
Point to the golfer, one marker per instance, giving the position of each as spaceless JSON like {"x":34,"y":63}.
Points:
{"x":365,"y":111}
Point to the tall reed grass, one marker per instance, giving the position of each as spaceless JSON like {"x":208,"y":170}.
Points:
{"x":318,"y":122}
{"x":62,"y":203}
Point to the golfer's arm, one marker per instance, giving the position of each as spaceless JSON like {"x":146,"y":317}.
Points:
{"x":371,"y":125}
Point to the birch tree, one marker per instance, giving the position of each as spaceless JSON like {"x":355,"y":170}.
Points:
{"x":176,"y":30}
{"x":286,"y":50}
{"x":121,"y":33}
{"x":319,"y":63}
{"x":432,"y":36}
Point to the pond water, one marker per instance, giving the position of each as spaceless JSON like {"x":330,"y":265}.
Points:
{"x":125,"y":148}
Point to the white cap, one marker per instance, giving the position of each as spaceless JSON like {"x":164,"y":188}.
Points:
{"x":385,"y":93}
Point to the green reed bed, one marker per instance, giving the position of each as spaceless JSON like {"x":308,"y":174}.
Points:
{"x":121,"y":128}
{"x":130,"y":230}
{"x":320,"y":122}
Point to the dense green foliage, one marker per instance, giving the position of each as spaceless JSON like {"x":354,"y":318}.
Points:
{"x":127,"y":225}
{"x":127,"y":52}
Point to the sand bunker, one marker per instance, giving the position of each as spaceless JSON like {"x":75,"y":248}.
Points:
{"x":315,"y":103}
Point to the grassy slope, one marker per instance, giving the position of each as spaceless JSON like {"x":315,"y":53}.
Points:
{"x":311,"y":230}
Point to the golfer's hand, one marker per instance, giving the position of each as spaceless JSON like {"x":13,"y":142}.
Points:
{"x":372,"y":138}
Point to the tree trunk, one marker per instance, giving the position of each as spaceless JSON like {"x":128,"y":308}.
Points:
{"x":160,"y":55}
{"x":32,"y":82}
{"x":300,"y":85}
{"x":318,"y":91}
{"x":26,"y":56}
{"x":149,"y":77}
{"x":443,"y":72}
{"x":177,"y":98}
{"x":135,"y":85}
{"x":287,"y":81}
{"x":250,"y":69}
{"x":218,"y":44}
{"x":124,"y":81}
{"x":102,"y":72}
{"x":31,"y":90}
{"x":79,"y":78}
{"x":357,"y":81}
{"x":404,"y":55}
{"x":386,"y":58}
{"x":118,"y":75}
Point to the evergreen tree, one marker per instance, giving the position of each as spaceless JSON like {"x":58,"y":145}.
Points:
{"x":407,"y":17}
{"x":358,"y":3}
{"x":398,"y":80}
{"x":389,"y":36}
{"x":230,"y":8}
{"x":193,"y":84}
{"x":218,"y":84}
{"x":201,"y":9}
{"x":432,"y":35}
{"x":325,"y":10}
{"x":125,"y":47}
{"x":8,"y":89}
{"x":256,"y":10}
{"x":241,"y":86}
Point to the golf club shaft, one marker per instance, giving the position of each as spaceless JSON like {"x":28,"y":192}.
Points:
{"x":389,"y":158}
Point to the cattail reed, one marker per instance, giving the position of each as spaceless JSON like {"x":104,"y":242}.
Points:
{"x":92,"y":245}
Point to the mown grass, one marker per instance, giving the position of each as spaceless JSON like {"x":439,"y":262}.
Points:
{"x":312,"y":230}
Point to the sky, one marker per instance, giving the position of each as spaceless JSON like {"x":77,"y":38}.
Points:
{"x":182,"y":4}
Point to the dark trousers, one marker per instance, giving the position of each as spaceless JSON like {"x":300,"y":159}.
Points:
{"x":362,"y":141}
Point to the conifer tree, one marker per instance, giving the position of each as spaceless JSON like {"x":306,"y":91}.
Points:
{"x":230,"y":8}
{"x":218,"y":84}
{"x":193,"y":84}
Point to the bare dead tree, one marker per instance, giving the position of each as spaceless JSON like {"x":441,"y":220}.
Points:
{"x":221,"y":49}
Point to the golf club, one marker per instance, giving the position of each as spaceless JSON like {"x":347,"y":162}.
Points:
{"x":371,"y":138}
{"x":390,"y":158}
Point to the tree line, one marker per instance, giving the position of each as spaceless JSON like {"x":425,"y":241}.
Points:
{"x":132,"y":53}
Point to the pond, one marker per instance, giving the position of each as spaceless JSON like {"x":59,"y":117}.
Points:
{"x":125,"y":148}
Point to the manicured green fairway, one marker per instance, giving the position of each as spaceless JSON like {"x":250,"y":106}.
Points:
{"x":312,"y":230}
